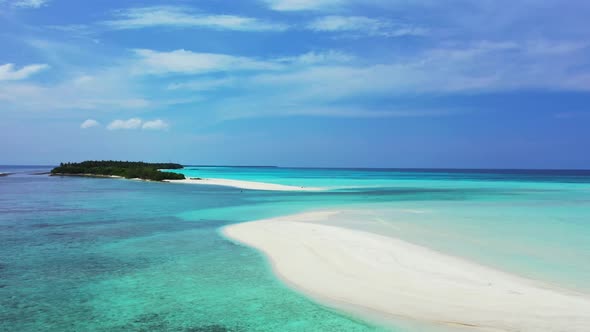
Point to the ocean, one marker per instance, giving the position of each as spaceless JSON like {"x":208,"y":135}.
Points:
{"x":87,"y":254}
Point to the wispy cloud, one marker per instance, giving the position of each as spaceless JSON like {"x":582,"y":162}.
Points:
{"x":296,"y":5}
{"x":314,"y":58}
{"x":364,"y":25}
{"x":9,"y":73}
{"x":202,"y":85}
{"x":137,"y":123}
{"x":155,"y":125}
{"x":136,"y":18}
{"x":30,"y":3}
{"x":89,"y":124}
{"x":449,"y":69}
{"x":188,"y":62}
{"x":268,"y":108}
{"x":322,"y":89}
{"x":105,"y":93}
{"x":133,"y":123}
{"x":313,"y":83}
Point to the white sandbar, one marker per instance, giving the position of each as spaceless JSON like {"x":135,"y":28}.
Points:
{"x":245,"y":184}
{"x":382,"y":277}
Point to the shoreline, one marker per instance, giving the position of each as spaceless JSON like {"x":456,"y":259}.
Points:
{"x":384,"y":279}
{"x":239,"y":184}
{"x":87,"y":175}
{"x":250,"y":185}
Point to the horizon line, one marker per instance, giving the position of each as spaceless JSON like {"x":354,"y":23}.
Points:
{"x":354,"y":167}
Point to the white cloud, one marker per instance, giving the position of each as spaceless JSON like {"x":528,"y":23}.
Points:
{"x":9,"y":73}
{"x":553,"y":48}
{"x":295,"y":5}
{"x":30,"y":3}
{"x":339,"y":23}
{"x":133,"y":123}
{"x":202,"y":85}
{"x":187,"y":62}
{"x":136,"y":18}
{"x":137,"y":123}
{"x":341,"y":89}
{"x":111,"y":90}
{"x":479,"y":66}
{"x":365,"y":25}
{"x":313,"y":58}
{"x":89,"y":124}
{"x":155,"y":125}
{"x":316,"y":83}
{"x":95,"y":86}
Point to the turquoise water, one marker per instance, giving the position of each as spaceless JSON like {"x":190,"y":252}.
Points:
{"x":533,"y":223}
{"x":81,"y":254}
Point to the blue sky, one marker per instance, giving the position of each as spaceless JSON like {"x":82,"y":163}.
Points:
{"x":372,"y":83}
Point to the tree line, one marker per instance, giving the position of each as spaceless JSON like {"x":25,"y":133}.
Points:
{"x":126,"y":169}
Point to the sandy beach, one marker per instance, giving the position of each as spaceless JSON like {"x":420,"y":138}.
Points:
{"x":251,"y":185}
{"x":383,"y":278}
{"x":88,"y":175}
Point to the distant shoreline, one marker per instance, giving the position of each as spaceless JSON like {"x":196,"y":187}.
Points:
{"x":99,"y":176}
{"x":87,"y":175}
{"x":483,"y":170}
{"x":250,"y":185}
{"x":124,"y":169}
{"x":234,"y":166}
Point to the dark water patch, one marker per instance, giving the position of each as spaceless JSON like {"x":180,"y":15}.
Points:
{"x":61,"y":234}
{"x":37,"y":311}
{"x":203,"y":223}
{"x":44,"y":211}
{"x":161,"y":322}
{"x":102,"y":228}
{"x":394,"y":194}
{"x":150,"y":322}
{"x":213,"y":328}
{"x":446,"y":193}
{"x":76,"y":267}
{"x":44,"y":225}
{"x":85,"y":223}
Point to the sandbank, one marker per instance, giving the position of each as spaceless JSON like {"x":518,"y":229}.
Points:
{"x":251,"y":185}
{"x":383,"y":278}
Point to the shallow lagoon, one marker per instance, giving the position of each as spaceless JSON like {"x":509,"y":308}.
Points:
{"x":108,"y":255}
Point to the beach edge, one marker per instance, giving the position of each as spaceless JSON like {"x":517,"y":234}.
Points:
{"x":313,"y":259}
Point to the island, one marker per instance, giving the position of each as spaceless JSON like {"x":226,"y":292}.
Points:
{"x":123,"y":169}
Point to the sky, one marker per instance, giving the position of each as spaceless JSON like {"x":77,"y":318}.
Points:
{"x":310,"y":83}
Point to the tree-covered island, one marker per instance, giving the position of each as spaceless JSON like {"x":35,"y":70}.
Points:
{"x":125,"y":169}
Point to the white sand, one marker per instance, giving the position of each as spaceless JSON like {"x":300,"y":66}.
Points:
{"x":246,"y":184}
{"x":382,"y":277}
{"x":86,"y":175}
